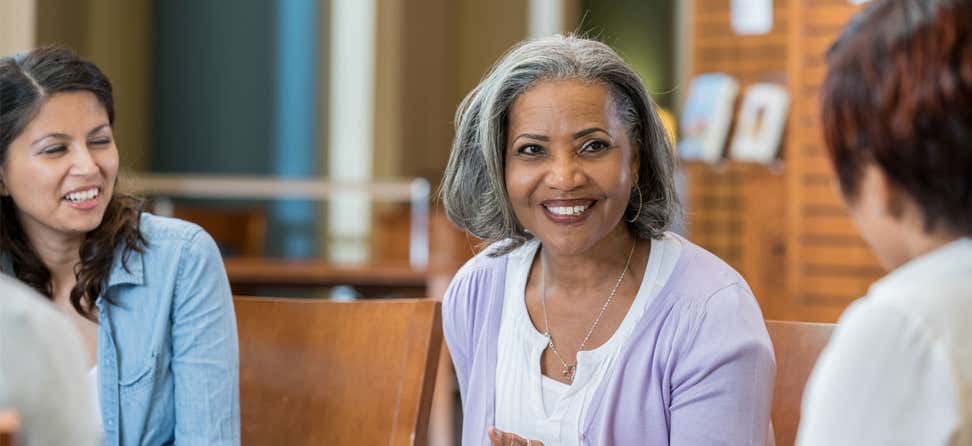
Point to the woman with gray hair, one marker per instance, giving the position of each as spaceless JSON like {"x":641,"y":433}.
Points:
{"x":584,"y":321}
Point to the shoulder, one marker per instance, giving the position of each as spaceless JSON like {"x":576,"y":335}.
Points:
{"x":703,"y":288}
{"x":880,"y":365}
{"x":700,"y":275}
{"x":871,"y":328}
{"x":475,"y":279}
{"x":159,"y":229}
{"x":165,"y":233}
{"x":24,"y":309}
{"x":706,"y":309}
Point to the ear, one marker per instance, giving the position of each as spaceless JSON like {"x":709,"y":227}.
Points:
{"x":635,"y":166}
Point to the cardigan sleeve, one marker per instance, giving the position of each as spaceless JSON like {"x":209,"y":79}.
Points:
{"x":455,"y":328}
{"x":723,"y":374}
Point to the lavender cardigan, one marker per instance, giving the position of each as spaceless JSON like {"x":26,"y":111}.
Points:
{"x":697,"y":370}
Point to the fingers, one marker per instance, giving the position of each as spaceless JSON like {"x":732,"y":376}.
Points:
{"x":500,"y":438}
{"x":495,"y":436}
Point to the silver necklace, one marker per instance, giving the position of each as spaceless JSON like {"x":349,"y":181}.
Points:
{"x":568,"y":369}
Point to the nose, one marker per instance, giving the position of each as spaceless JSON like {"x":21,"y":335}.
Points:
{"x":82,"y":161}
{"x":566,"y":172}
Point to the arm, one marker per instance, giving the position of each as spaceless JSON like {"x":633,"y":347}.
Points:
{"x":723,"y":374}
{"x":205,"y":353}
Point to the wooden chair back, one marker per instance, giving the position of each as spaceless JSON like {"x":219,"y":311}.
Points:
{"x":9,"y":425}
{"x":239,"y":232}
{"x":318,"y":372}
{"x":797,"y":346}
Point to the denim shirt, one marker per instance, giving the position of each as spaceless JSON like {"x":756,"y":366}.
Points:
{"x":168,"y":358}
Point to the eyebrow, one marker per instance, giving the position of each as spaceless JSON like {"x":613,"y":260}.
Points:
{"x":579,"y":134}
{"x":62,"y":135}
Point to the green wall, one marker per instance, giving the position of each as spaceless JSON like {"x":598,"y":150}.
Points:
{"x":644,"y":33}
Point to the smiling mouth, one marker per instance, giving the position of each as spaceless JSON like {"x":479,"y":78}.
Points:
{"x":568,"y":210}
{"x":84,"y":195}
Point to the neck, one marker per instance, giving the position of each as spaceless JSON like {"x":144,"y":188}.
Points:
{"x":60,"y":254}
{"x":921,"y":243}
{"x":591,"y":268}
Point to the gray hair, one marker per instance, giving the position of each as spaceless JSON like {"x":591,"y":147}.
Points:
{"x":473,"y":188}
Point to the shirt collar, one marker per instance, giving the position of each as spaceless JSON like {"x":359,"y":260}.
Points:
{"x":131,"y":272}
{"x":956,"y":255}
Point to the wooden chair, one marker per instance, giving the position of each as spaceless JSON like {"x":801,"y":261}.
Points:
{"x":237,"y":231}
{"x":337,"y":373}
{"x":9,"y":425}
{"x":797,"y":346}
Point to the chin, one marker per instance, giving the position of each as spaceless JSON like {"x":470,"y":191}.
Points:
{"x":567,"y":245}
{"x":87,"y":226}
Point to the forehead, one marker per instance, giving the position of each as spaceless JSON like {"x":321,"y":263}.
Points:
{"x":565,"y":101}
{"x":69,"y":112}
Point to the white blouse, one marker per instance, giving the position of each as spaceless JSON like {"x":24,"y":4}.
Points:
{"x":534,"y":406}
{"x":898,"y":369}
{"x":93,"y":385}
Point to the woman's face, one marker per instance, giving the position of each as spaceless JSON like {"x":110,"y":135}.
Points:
{"x":61,"y":170}
{"x":569,"y":164}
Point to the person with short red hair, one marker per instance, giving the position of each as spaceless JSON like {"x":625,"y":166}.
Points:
{"x":897,"y":117}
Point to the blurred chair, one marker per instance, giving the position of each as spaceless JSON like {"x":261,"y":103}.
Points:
{"x":239,"y":232}
{"x":9,"y":425}
{"x":797,"y":346}
{"x":339,"y":373}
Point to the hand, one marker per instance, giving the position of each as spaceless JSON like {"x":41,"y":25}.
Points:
{"x":500,"y":438}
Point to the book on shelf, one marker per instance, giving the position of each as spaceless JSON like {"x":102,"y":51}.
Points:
{"x":706,"y":116}
{"x":760,"y":125}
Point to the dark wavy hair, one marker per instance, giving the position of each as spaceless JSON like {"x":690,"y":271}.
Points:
{"x":27,"y":80}
{"x":898,"y":94}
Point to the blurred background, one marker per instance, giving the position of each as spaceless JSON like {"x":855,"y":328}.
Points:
{"x":309,"y":136}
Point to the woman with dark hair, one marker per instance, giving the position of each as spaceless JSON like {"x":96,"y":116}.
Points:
{"x":149,"y":295}
{"x":585,"y":321}
{"x":897,"y":118}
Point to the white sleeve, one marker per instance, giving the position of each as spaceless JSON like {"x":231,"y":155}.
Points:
{"x":881,"y":380}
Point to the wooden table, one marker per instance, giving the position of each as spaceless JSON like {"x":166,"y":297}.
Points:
{"x":384,"y":280}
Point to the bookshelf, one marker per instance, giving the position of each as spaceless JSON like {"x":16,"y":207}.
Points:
{"x":783,"y":226}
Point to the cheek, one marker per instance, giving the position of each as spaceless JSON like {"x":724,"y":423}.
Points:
{"x":518,"y":184}
{"x":109,"y":162}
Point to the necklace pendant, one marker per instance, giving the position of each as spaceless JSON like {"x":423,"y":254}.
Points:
{"x":568,"y":372}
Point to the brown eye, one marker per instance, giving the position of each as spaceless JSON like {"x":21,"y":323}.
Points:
{"x":54,"y":150}
{"x":529,"y":150}
{"x":595,"y":146}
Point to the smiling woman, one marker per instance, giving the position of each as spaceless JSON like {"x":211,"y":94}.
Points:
{"x":148,"y":295}
{"x":585,"y":321}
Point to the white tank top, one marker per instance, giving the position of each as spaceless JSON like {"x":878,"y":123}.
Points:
{"x":534,"y":406}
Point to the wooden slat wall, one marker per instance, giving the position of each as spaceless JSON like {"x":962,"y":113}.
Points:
{"x":736,"y":209}
{"x":829,"y":264}
{"x":783,"y":227}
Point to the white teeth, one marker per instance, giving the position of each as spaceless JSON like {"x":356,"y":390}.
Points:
{"x":567,"y":210}
{"x":78,"y":197}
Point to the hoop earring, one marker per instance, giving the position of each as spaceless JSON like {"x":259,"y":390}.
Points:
{"x":641,"y":203}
